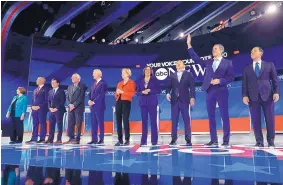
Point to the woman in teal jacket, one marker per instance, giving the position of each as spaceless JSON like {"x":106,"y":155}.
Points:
{"x":16,"y":112}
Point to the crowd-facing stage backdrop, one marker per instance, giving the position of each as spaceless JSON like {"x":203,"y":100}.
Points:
{"x":60,"y":59}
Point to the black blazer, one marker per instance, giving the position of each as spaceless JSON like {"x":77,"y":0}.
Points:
{"x":58,"y":101}
{"x":77,"y":97}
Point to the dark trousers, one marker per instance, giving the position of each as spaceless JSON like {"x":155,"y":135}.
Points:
{"x":39,"y":117}
{"x":216,"y":94}
{"x":150,"y":110}
{"x":123,"y":109}
{"x":97,"y":120}
{"x":75,"y":119}
{"x":56,"y":117}
{"x":268,"y":111}
{"x":176,"y":108}
{"x":17,"y":129}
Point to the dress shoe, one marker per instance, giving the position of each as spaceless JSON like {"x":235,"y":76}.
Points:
{"x":119,"y":143}
{"x":173,"y":143}
{"x":40,"y":141}
{"x":189,"y":143}
{"x":100,"y":142}
{"x":30,"y":141}
{"x":12,"y":142}
{"x":127,"y":143}
{"x":259,"y":145}
{"x":153,"y":144}
{"x":143,"y":144}
{"x":48,"y":142}
{"x":92,"y":143}
{"x":212,"y":143}
{"x":68,"y":142}
{"x":271,"y":145}
{"x":58,"y":142}
{"x":226,"y":144}
{"x":75,"y":142}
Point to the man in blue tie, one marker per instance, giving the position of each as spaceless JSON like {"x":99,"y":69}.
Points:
{"x":219,"y":73}
{"x":261,"y":90}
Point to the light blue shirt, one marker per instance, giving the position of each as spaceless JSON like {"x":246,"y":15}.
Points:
{"x":179,"y":75}
{"x":216,"y":63}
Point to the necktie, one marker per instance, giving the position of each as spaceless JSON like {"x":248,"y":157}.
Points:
{"x":37,"y":90}
{"x":214,"y":65}
{"x":257,"y":70}
{"x":94,"y":85}
{"x":54,"y":91}
{"x":75,"y":87}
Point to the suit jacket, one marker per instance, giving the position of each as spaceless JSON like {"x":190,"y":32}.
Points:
{"x":185,"y":89}
{"x":97,"y":95}
{"x":266,"y":84}
{"x":129,"y":90}
{"x":21,"y":105}
{"x":77,"y":97}
{"x":224,"y":72}
{"x":41,"y":99}
{"x":58,"y":100}
{"x":151,"y":97}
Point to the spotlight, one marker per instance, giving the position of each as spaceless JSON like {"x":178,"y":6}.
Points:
{"x":73,"y":25}
{"x":118,"y":41}
{"x":221,"y":22}
{"x":103,"y":40}
{"x":93,"y":37}
{"x":182,"y":34}
{"x":271,"y":9}
{"x":137,"y":40}
{"x":253,"y":12}
{"x":36,"y":29}
{"x":279,"y":4}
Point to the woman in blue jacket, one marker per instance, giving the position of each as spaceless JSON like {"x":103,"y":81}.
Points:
{"x":148,"y":88}
{"x":16,"y":112}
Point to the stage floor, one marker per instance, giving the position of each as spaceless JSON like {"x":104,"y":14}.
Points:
{"x":242,"y":164}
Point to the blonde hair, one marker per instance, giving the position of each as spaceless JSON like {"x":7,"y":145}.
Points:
{"x":128,"y":71}
{"x":40,"y":77}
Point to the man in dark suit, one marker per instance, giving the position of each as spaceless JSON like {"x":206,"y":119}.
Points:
{"x":261,"y":90}
{"x":219,"y":73}
{"x":75,"y":102}
{"x":181,"y":93}
{"x":56,"y":104}
{"x":97,"y":105}
{"x":39,"y":110}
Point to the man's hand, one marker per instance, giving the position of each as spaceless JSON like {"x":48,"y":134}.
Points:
{"x":55,"y":109}
{"x":215,"y":81}
{"x":51,"y":109}
{"x":144,"y":92}
{"x":275,"y":97}
{"x":90,"y":103}
{"x":189,"y":39}
{"x":192,"y":102}
{"x":8,"y":115}
{"x":168,"y":97}
{"x":147,"y":90}
{"x":246,"y":100}
{"x":22,"y":117}
{"x":72,"y":107}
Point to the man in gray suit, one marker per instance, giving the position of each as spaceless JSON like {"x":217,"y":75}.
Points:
{"x":75,"y":101}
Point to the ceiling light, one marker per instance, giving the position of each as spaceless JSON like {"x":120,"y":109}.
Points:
{"x":182,"y":34}
{"x":137,"y":40}
{"x":271,"y":9}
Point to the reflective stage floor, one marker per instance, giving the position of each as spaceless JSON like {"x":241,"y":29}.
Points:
{"x":241,"y":164}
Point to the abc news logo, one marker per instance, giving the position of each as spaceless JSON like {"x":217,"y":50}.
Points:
{"x":161,"y":74}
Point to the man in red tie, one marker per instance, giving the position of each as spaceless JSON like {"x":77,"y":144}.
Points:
{"x":39,"y":110}
{"x":97,"y":106}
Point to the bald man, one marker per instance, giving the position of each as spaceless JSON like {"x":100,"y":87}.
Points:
{"x":75,"y":101}
{"x":39,"y":110}
{"x":181,"y":94}
{"x":261,"y":90}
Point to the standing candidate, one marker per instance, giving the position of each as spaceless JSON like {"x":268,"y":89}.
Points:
{"x":124,"y":94}
{"x":261,"y":90}
{"x":56,"y":104}
{"x":75,"y":102}
{"x":181,"y":93}
{"x":39,"y":110}
{"x":148,"y":88}
{"x":97,"y":103}
{"x":17,"y":111}
{"x":219,"y":73}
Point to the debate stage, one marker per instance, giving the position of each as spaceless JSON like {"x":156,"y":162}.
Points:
{"x":242,"y":164}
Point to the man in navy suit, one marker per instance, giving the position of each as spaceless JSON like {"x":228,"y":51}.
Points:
{"x":56,"y":104}
{"x":75,"y":101}
{"x":39,"y":110}
{"x":261,"y":90}
{"x":181,"y":93}
{"x":97,"y":104}
{"x":219,"y":73}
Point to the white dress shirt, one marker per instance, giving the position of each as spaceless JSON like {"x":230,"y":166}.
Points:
{"x":55,"y":89}
{"x":254,"y":64}
{"x":98,"y":80}
{"x":216,"y":62}
{"x":179,"y":75}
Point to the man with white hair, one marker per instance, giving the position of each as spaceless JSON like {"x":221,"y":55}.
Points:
{"x":75,"y":101}
{"x":39,"y":110}
{"x":219,"y":73}
{"x":97,"y":106}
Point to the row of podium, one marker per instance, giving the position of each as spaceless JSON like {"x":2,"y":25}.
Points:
{"x":237,"y":125}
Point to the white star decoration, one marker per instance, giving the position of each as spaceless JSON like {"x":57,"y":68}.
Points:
{"x":127,"y":162}
{"x":243,"y":167}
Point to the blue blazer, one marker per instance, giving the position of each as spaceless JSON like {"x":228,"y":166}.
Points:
{"x":21,"y":105}
{"x":185,"y":89}
{"x":97,"y":95}
{"x":58,"y":101}
{"x":224,"y":72}
{"x":266,"y":84}
{"x":151,"y":97}
{"x":41,"y":99}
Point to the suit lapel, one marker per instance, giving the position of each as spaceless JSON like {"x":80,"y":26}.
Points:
{"x":220,"y":65}
{"x":262,"y":68}
{"x":182,"y":77}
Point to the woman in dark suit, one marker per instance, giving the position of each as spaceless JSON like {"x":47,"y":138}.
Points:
{"x":16,"y":112}
{"x":148,"y":88}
